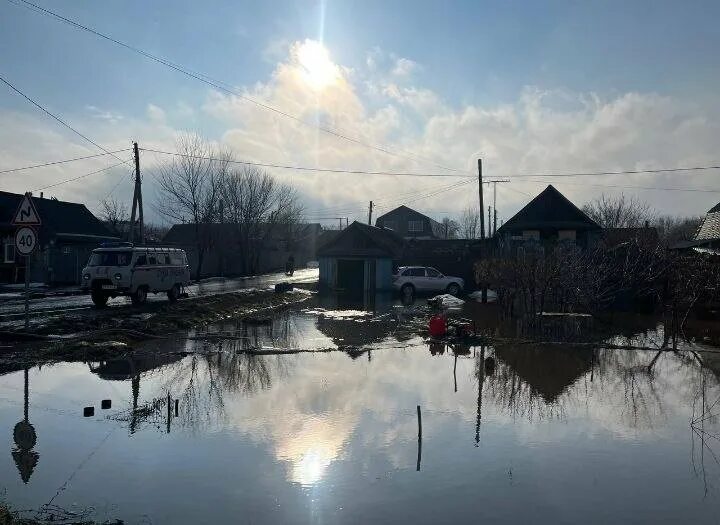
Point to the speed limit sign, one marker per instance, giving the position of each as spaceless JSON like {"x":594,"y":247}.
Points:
{"x":25,"y":240}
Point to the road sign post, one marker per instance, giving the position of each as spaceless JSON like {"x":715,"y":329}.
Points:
{"x":26,"y":240}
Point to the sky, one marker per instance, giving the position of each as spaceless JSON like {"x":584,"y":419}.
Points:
{"x":417,"y":86}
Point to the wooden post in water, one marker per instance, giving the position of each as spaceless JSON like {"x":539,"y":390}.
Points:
{"x":169,"y":404}
{"x":419,"y":456}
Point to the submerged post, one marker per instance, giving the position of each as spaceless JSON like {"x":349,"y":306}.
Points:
{"x":419,"y":456}
{"x":27,"y":292}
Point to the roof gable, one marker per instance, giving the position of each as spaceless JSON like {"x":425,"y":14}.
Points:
{"x":710,"y":226}
{"x":550,"y":209}
{"x":57,"y":216}
{"x":362,"y":240}
{"x":404,"y":210}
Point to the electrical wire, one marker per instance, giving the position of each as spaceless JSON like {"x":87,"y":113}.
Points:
{"x":301,"y":168}
{"x":624,"y":186}
{"x":56,"y":162}
{"x":223,"y":86}
{"x":625,"y":172}
{"x":80,"y":177}
{"x":58,"y":119}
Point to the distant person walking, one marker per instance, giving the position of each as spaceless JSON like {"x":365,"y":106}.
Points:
{"x":290,"y":266}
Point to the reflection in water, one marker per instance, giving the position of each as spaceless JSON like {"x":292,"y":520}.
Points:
{"x":25,"y":438}
{"x":545,"y":415}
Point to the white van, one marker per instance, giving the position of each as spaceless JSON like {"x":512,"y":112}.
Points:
{"x":124,"y":269}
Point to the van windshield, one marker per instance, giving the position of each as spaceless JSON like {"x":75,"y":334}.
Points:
{"x":110,"y":259}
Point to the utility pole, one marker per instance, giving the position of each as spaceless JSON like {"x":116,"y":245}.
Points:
{"x":137,"y":205}
{"x":489,"y":221}
{"x":370,"y":210}
{"x":494,"y":228}
{"x":480,"y":195}
{"x":495,"y":222}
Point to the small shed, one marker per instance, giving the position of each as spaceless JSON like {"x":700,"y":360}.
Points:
{"x":359,"y":259}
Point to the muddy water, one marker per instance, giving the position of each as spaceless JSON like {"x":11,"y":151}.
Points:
{"x":546,"y":435}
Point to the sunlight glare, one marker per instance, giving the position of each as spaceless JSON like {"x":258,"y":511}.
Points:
{"x":315,"y":64}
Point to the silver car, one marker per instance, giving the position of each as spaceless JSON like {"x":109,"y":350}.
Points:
{"x":411,"y":279}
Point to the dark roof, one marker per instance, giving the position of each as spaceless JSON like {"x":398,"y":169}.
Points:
{"x":363,"y":240}
{"x":228,"y":233}
{"x":550,"y":209}
{"x":58,"y":217}
{"x":405,"y":209}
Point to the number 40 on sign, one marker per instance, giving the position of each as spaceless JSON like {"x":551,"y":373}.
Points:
{"x":25,"y":240}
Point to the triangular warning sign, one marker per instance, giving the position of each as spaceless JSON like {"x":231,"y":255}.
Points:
{"x":26,"y":214}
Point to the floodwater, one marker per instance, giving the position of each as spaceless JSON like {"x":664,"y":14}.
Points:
{"x":549,"y":434}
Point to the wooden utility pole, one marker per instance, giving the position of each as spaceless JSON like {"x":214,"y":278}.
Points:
{"x":480,"y":195}
{"x":137,"y":206}
{"x":489,"y":221}
{"x":495,"y":222}
{"x":370,"y":210}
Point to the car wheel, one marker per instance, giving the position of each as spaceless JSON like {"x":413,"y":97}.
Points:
{"x":453,"y":289}
{"x":407,"y":290}
{"x":99,"y":298}
{"x":140,"y":296}
{"x":174,"y":293}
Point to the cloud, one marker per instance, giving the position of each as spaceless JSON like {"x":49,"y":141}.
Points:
{"x":541,"y":131}
{"x":404,"y":67}
{"x":155,"y":113}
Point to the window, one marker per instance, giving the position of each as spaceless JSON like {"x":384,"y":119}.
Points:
{"x":531,"y":235}
{"x":66,"y":250}
{"x":110,"y":259}
{"x":176,"y":259}
{"x":141,"y":261}
{"x":9,"y":252}
{"x":390,"y":225}
{"x":566,"y":235}
{"x":152,"y":260}
{"x":414,"y":272}
{"x":432,"y":272}
{"x":415,"y":226}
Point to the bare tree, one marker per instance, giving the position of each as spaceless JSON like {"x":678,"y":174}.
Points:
{"x":115,"y":216}
{"x":672,"y":230}
{"x":619,"y":212}
{"x":190,"y":188}
{"x":260,"y":209}
{"x":450,"y":228}
{"x":469,"y":227}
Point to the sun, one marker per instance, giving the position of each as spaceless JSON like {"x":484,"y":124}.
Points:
{"x":315,"y":65}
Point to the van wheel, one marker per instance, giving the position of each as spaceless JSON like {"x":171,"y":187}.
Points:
{"x":140,"y":296}
{"x":99,"y":299}
{"x":453,"y":289}
{"x":174,"y":293}
{"x":407,"y":290}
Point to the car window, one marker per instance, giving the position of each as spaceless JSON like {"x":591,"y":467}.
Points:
{"x":141,"y":260}
{"x":414,"y":272}
{"x":152,"y":260}
{"x":432,"y":272}
{"x":176,"y":259}
{"x":110,"y":259}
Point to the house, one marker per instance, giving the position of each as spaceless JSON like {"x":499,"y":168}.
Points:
{"x":68,"y":234}
{"x":409,"y":223}
{"x":708,"y":234}
{"x":224,"y":252}
{"x":550,"y":217}
{"x":360,"y":259}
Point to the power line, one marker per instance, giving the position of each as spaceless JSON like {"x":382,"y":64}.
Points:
{"x":56,"y":162}
{"x":221,"y":85}
{"x":626,"y":172}
{"x":622,"y":186}
{"x":58,"y":119}
{"x":301,"y":168}
{"x":80,"y":177}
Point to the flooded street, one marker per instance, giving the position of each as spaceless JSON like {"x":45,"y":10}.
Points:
{"x":541,"y":434}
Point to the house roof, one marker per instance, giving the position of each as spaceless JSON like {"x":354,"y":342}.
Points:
{"x":406,"y":209}
{"x":225,"y":232}
{"x":58,"y":217}
{"x":550,"y":209}
{"x":710,"y":226}
{"x":363,"y":240}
